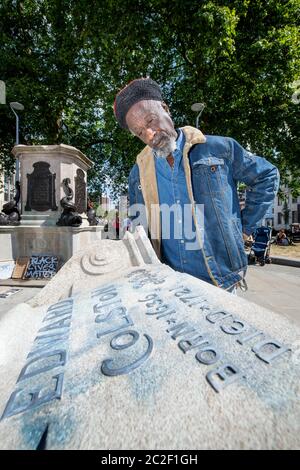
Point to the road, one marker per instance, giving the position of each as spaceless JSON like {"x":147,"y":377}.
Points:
{"x":276,"y":288}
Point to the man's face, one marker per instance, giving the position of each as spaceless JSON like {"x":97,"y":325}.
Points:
{"x":149,"y":121}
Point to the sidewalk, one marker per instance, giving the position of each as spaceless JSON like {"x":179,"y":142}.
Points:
{"x":276,"y":288}
{"x":24,"y":282}
{"x":285,"y":255}
{"x":23,"y":295}
{"x":286,"y":261}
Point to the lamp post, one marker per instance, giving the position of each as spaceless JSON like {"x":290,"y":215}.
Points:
{"x":198,"y":107}
{"x":15,"y":106}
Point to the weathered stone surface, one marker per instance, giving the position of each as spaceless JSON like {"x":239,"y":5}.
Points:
{"x":99,"y":260}
{"x":134,"y":364}
{"x":28,"y":240}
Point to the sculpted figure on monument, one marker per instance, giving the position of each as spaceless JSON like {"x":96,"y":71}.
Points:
{"x":10,"y":214}
{"x":69,"y":216}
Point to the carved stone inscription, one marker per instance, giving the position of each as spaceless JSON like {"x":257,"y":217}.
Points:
{"x":41,"y":188}
{"x":120,"y":329}
{"x":80,"y":192}
{"x":191,"y":338}
{"x":41,"y":379}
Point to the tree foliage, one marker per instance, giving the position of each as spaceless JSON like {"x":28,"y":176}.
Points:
{"x":65,"y":60}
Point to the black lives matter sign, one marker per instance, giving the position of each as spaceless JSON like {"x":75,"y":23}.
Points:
{"x":42,"y":267}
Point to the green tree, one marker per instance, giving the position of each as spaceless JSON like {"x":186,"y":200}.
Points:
{"x":65,"y":60}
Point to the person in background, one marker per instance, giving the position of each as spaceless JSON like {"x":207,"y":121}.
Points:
{"x":126,"y":224}
{"x":116,"y":224}
{"x":282,"y":238}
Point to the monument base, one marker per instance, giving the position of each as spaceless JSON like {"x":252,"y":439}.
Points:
{"x":37,"y":220}
{"x":28,"y":240}
{"x":46,"y":220}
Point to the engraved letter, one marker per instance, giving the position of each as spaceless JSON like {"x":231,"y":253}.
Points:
{"x":222,"y":376}
{"x":236,"y":328}
{"x":192,"y":343}
{"x":134,"y":337}
{"x":58,"y":324}
{"x":220,"y":315}
{"x":35,"y":399}
{"x":102,"y":290}
{"x":61,"y":362}
{"x":251,"y":336}
{"x":207,"y":355}
{"x":268,"y":349}
{"x":181,"y":329}
{"x":106,"y":365}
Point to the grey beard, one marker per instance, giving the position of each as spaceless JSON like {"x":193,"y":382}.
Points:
{"x":165,"y":151}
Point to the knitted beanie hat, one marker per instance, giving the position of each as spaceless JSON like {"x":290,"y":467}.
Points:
{"x":137,"y":90}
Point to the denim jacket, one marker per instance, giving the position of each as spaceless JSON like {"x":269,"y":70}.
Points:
{"x":213,"y":166}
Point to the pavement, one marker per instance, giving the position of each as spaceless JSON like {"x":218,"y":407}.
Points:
{"x":20,"y":296}
{"x":275,"y":287}
{"x":24,"y":282}
{"x":18,"y":291}
{"x":286,"y":261}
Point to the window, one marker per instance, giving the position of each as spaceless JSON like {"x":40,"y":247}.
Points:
{"x":269,"y":222}
{"x":294,"y":217}
{"x":279,"y":220}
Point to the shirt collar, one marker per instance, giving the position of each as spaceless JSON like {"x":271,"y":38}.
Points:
{"x":179,"y":140}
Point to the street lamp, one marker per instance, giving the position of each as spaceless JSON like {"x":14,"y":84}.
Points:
{"x":15,"y":106}
{"x":198,"y":107}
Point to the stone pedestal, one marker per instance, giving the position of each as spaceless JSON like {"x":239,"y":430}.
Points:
{"x":43,"y":168}
{"x":30,"y":240}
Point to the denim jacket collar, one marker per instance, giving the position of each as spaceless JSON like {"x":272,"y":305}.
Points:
{"x":146,"y":164}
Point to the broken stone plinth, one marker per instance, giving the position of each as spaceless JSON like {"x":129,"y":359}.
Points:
{"x":144,"y":357}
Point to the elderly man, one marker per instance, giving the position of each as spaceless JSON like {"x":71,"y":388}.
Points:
{"x":196,"y":176}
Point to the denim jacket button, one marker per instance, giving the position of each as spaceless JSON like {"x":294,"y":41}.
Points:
{"x":139,"y":187}
{"x":213,"y":168}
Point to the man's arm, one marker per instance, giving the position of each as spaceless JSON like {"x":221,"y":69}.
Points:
{"x":262,"y":180}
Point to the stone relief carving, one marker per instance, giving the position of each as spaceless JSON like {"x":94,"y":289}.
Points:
{"x":69,"y":216}
{"x":41,"y":188}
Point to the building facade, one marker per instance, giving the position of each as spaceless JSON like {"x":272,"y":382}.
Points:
{"x":284,"y":211}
